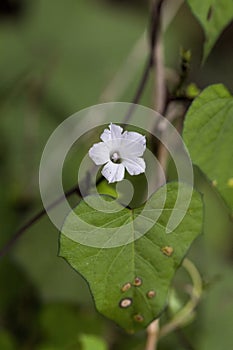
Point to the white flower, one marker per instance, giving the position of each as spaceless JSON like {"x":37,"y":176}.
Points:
{"x":119,"y":151}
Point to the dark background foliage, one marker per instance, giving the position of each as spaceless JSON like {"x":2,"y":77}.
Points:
{"x":58,"y":57}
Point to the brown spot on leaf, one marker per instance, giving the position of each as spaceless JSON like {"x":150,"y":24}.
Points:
{"x":126,"y":287}
{"x":138,"y":318}
{"x":168,"y":251}
{"x":151,"y":294}
{"x":137,"y":282}
{"x":124,"y":303}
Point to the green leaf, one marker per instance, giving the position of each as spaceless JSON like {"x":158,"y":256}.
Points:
{"x":214,"y":16}
{"x":208,"y":131}
{"x":90,"y":342}
{"x":138,"y":273}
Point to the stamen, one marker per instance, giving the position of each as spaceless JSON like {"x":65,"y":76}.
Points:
{"x":115,"y":157}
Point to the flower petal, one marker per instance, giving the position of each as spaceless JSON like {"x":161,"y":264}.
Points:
{"x":99,"y":153}
{"x":115,"y":132}
{"x":134,"y":166}
{"x":134,"y":136}
{"x":113,"y":172}
{"x":133,"y":145}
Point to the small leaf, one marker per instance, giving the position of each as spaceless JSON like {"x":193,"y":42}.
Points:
{"x":192,"y":90}
{"x":208,"y":134}
{"x":214,"y":16}
{"x":130,"y":283}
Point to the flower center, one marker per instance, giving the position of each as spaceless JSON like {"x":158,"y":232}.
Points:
{"x":115,"y":157}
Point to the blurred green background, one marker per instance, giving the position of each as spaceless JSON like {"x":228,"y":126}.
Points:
{"x":58,"y":57}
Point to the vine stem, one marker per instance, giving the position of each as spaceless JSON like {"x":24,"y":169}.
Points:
{"x":152,"y":335}
{"x":159,"y":105}
{"x":184,"y":315}
{"x":160,"y":100}
{"x":160,"y":83}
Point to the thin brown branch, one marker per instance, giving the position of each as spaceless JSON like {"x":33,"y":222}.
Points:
{"x":154,"y":29}
{"x":160,"y":82}
{"x":36,"y":218}
{"x":160,"y":95}
{"x":73,"y":190}
{"x":156,"y":57}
